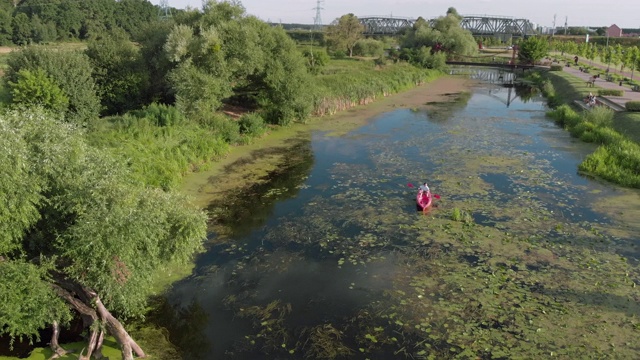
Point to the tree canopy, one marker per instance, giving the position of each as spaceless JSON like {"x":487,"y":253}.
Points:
{"x":77,"y":234}
{"x":533,"y":49}
{"x":344,"y":33}
{"x":425,"y":43}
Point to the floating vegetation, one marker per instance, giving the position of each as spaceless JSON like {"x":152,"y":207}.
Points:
{"x":518,"y":257}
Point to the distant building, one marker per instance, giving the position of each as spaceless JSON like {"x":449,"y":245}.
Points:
{"x":613,"y":31}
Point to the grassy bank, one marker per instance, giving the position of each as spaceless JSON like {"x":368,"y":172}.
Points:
{"x":161,"y":147}
{"x":617,"y":159}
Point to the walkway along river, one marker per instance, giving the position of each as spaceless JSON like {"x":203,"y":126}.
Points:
{"x":325,"y":257}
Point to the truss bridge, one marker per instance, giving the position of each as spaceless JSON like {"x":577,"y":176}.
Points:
{"x":380,"y":25}
{"x":477,"y":24}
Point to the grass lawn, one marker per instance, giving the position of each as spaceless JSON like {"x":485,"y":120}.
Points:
{"x":570,"y":88}
{"x":628,"y":124}
{"x":110,"y":349}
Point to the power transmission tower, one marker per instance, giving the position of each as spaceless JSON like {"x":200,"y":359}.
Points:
{"x":553,"y":31}
{"x":565,"y":24}
{"x":164,"y":12}
{"x":317,"y":21}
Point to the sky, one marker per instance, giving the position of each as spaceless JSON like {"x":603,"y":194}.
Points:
{"x":593,"y":13}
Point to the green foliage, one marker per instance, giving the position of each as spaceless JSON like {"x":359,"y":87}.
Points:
{"x":617,"y":162}
{"x":316,"y":59}
{"x":119,"y":72}
{"x":533,"y":49}
{"x":565,"y":116}
{"x":86,"y":222}
{"x":368,"y":47}
{"x":610,"y":92}
{"x":29,"y":302}
{"x":632,"y":105}
{"x":35,"y":88}
{"x":344,"y":33}
{"x":160,"y":115}
{"x":599,"y":116}
{"x":348,"y":83}
{"x":69,"y":70}
{"x":339,"y":54}
{"x":160,"y":155}
{"x":555,"y":68}
{"x":446,"y":35}
{"x":251,"y":124}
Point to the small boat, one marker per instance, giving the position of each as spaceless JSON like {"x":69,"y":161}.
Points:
{"x":424,"y":199}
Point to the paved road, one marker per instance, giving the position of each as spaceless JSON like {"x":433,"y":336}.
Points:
{"x":628,"y":95}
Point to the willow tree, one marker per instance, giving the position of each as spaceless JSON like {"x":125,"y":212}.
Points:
{"x":344,"y":33}
{"x":443,"y":35}
{"x":78,"y":236}
{"x":221,"y":54}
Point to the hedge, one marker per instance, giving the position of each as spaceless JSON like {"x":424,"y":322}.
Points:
{"x":632,"y":105}
{"x":610,"y":92}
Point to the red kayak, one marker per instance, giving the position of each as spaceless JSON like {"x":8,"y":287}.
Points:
{"x":424,"y":199}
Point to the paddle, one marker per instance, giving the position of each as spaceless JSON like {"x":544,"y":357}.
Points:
{"x":434,"y":195}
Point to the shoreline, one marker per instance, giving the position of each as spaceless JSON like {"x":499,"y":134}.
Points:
{"x":247,"y":163}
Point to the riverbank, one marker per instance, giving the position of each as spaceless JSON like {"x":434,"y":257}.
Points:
{"x":232,"y":171}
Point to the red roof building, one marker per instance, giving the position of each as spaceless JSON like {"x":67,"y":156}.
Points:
{"x":614,"y":31}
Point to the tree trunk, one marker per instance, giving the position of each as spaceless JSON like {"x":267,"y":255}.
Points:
{"x":81,"y":299}
{"x":58,"y":351}
{"x":89,"y":317}
{"x":115,"y":328}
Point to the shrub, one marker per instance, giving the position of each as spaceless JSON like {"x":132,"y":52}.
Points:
{"x":555,"y":68}
{"x":251,"y":124}
{"x":600,"y":116}
{"x":368,"y":47}
{"x":632,"y":105}
{"x":160,"y":115}
{"x":564,"y":116}
{"x":339,"y":54}
{"x":610,"y":92}
{"x":222,"y":126}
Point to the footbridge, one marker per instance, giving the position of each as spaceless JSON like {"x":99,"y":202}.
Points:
{"x":485,"y":25}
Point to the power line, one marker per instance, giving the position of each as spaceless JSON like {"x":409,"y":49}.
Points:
{"x":164,"y":12}
{"x":317,"y":21}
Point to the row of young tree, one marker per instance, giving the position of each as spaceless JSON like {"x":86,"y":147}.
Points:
{"x":627,"y":57}
{"x":80,"y":235}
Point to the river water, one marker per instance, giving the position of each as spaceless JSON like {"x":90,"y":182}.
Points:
{"x":327,"y":258}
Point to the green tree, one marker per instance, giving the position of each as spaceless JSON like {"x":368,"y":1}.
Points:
{"x":344,"y":33}
{"x":119,"y":72}
{"x":35,"y":88}
{"x":21,"y":26}
{"x":42,"y":32}
{"x":222,"y":55}
{"x":78,"y":235}
{"x":633,"y":56}
{"x":316,"y":59}
{"x":445,"y":35}
{"x":69,"y":70}
{"x":533,"y":49}
{"x":6,"y":29}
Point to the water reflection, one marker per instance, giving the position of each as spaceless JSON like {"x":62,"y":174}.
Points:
{"x":332,"y":261}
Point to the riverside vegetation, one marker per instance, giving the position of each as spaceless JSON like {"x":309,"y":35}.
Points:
{"x":96,"y":140}
{"x":617,"y":158}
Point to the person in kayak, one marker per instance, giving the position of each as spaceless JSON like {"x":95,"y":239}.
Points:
{"x":425,"y":187}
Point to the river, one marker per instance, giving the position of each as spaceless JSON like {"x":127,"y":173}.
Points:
{"x":324,"y":256}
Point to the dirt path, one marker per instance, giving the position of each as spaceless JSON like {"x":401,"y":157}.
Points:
{"x":248,"y":163}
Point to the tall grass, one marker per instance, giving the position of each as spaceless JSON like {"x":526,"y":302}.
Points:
{"x":349,"y":83}
{"x":617,"y":159}
{"x":159,"y":155}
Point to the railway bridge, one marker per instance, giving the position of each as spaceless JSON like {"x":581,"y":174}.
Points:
{"x":480,"y":25}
